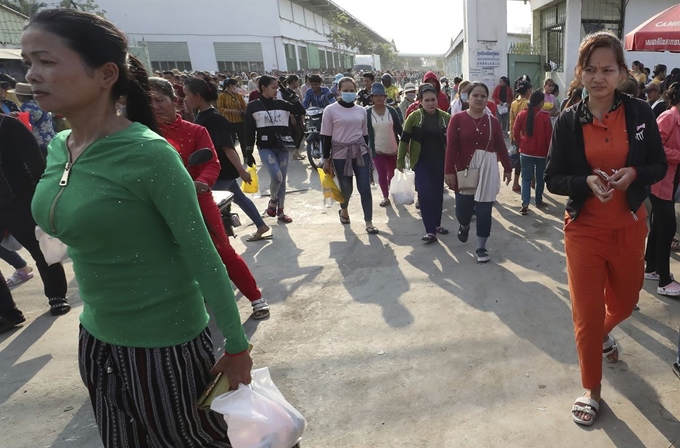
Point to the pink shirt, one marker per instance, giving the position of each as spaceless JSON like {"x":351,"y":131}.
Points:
{"x":344,"y":125}
{"x":669,"y":127}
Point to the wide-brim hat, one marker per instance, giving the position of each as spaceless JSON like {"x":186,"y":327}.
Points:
{"x":176,"y":72}
{"x":378,"y":89}
{"x":22,"y":88}
{"x":410,"y":87}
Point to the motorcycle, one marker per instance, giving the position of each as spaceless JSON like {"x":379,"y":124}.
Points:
{"x":313,"y":133}
{"x":223,"y":199}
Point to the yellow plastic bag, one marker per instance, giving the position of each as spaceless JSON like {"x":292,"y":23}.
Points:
{"x":253,"y":186}
{"x":330,"y":190}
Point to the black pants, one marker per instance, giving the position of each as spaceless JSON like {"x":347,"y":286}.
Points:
{"x":238,"y":130}
{"x":145,"y":397}
{"x":661,"y":233}
{"x":17,"y":219}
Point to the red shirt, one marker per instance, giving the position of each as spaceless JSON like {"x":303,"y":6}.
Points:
{"x":186,"y":138}
{"x":254,"y":95}
{"x":492,"y":107}
{"x":537,"y":145}
{"x":462,"y":140}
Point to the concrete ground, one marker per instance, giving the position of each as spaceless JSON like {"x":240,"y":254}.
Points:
{"x":382,"y":341}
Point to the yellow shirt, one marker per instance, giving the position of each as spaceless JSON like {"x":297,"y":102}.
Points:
{"x":392,"y":92}
{"x":516,"y":107}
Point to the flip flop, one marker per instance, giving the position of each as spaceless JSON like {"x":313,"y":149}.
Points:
{"x":256,"y":237}
{"x":372,"y":230}
{"x":343,"y":220}
{"x":299,"y":157}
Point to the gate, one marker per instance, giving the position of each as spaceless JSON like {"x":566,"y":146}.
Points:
{"x":526,"y":64}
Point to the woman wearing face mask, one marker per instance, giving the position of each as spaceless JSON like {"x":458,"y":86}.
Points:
{"x":409,"y":98}
{"x":604,"y":153}
{"x":460,"y":102}
{"x":267,"y":123}
{"x":523,"y":90}
{"x":424,"y":139}
{"x":384,"y":129}
{"x":117,"y":194}
{"x":232,"y":106}
{"x":475,"y":141}
{"x":344,"y":129}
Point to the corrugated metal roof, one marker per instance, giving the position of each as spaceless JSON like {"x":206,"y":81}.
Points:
{"x":11,"y":25}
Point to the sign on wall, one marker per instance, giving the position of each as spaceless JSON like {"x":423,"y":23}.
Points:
{"x":486,"y":58}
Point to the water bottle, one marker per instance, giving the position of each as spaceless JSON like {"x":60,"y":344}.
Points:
{"x":328,"y":202}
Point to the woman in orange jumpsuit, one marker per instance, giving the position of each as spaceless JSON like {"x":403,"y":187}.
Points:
{"x":605,"y":151}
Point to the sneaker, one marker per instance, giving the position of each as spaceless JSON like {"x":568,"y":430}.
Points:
{"x":58,"y":306}
{"x":483,"y":256}
{"x":7,"y":324}
{"x":654,"y":276}
{"x":670,"y":290}
{"x":19,"y":277}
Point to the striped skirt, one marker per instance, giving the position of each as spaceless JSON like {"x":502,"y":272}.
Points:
{"x":144,"y":397}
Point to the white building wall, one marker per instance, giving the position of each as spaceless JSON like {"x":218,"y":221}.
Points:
{"x":485,"y":32}
{"x":199,"y":23}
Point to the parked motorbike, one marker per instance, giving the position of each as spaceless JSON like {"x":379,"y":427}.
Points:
{"x":313,"y":133}
{"x":223,"y":199}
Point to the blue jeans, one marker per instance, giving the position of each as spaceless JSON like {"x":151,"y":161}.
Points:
{"x":12,"y":258}
{"x":276,"y":161}
{"x":466,"y":206}
{"x":532,"y":166}
{"x":363,"y":176}
{"x":240,"y":199}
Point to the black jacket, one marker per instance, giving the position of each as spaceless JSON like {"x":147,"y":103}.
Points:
{"x":267,"y":118}
{"x":568,"y":169}
{"x":21,"y":161}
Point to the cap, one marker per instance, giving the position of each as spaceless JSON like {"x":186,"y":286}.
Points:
{"x":409,"y":87}
{"x":378,"y":89}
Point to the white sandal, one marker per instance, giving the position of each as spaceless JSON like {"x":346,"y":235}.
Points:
{"x":609,"y":348}
{"x":587,"y":405}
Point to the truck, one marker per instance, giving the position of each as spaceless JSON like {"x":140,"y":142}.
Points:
{"x":367,"y":63}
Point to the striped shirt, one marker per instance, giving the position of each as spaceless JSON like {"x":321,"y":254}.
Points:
{"x":230,"y":101}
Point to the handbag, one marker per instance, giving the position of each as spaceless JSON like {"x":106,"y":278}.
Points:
{"x":284,"y":142}
{"x":502,"y":110}
{"x":468,"y":179}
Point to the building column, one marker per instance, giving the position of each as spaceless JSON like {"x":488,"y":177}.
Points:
{"x":485,"y":54}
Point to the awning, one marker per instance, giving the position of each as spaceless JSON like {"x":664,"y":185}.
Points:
{"x":660,"y":33}
{"x":10,"y":53}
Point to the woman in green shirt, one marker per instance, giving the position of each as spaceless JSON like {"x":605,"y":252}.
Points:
{"x":118,"y":195}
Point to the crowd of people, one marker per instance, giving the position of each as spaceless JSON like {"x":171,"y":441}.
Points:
{"x":119,"y":191}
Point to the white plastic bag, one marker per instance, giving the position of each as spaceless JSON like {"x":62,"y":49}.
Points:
{"x":403,"y":187}
{"x":258,"y":416}
{"x":52,"y":248}
{"x":10,"y":243}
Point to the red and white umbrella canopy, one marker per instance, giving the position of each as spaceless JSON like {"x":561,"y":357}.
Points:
{"x":660,"y":33}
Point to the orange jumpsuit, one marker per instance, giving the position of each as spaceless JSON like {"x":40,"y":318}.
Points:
{"x":605,"y":250}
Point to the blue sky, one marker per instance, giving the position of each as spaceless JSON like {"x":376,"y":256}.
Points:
{"x":414,"y":30}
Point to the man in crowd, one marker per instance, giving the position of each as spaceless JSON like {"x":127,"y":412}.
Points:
{"x":654,"y":98}
{"x":364,"y":95}
{"x":317,"y":96}
{"x":391,"y":90}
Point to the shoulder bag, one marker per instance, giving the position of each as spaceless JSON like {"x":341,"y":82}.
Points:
{"x":468,"y":179}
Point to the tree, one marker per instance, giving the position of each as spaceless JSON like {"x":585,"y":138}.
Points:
{"x":345,"y":35}
{"x":388,"y":56}
{"x":82,"y":5}
{"x":25,"y":7}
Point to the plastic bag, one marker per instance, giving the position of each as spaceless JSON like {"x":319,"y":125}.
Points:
{"x":258,"y":416}
{"x":330,"y":190}
{"x":52,"y":248}
{"x":10,"y":243}
{"x":254,"y":185}
{"x":403,"y":187}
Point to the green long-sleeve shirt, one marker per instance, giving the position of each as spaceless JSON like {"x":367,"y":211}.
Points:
{"x":141,"y":251}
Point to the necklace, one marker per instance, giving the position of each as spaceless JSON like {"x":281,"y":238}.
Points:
{"x":475,"y":122}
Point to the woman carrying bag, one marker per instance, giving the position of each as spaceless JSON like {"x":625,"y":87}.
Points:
{"x":474,"y":145}
{"x":384,"y":129}
{"x":424,"y":139}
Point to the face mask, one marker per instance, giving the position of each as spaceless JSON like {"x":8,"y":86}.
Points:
{"x":411,"y":96}
{"x":349,"y":97}
{"x":464,"y":97}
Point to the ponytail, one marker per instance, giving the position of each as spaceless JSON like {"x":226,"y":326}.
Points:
{"x":201,"y":87}
{"x":535,"y":100}
{"x":135,"y":85}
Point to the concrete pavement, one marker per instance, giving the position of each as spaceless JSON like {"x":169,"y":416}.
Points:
{"x":383,"y":341}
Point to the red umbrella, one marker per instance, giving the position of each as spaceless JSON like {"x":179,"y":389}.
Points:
{"x":660,"y":33}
